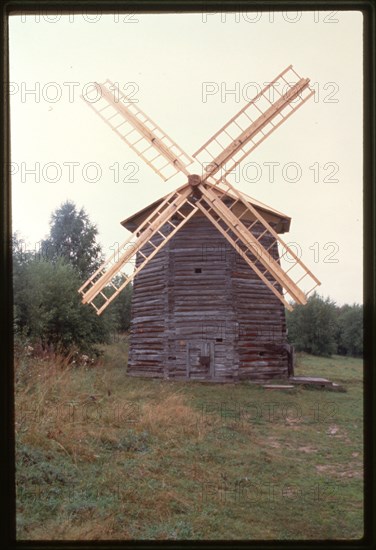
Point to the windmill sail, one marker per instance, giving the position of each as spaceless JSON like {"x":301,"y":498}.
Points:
{"x":248,"y":246}
{"x":212,"y":194}
{"x":299,"y":274}
{"x":162,"y":224}
{"x":254,"y":123}
{"x":139,"y":132}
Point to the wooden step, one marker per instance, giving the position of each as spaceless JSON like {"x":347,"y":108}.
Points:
{"x":278,"y":387}
{"x":312,"y":382}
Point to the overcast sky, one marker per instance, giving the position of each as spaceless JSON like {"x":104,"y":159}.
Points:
{"x":191,"y":73}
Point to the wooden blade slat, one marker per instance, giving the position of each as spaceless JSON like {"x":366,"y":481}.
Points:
{"x":107,"y":274}
{"x":114,"y":258}
{"x":252,"y":125}
{"x":214,"y":219}
{"x":252,"y":246}
{"x":139,"y":132}
{"x":301,"y":271}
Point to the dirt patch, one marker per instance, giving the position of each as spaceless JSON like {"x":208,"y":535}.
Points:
{"x":273,"y":442}
{"x":351,"y":470}
{"x":307,"y":449}
{"x":335,"y":431}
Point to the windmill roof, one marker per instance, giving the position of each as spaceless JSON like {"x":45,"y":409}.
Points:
{"x":281,"y":220}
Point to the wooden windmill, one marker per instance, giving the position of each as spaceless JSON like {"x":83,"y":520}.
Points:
{"x":199,"y":311}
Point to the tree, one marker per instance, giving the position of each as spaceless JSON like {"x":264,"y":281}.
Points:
{"x":350,"y":330}
{"x":73,"y":237}
{"x":312,"y":327}
{"x":48,"y":308}
{"x":18,"y":250}
{"x":20,"y":258}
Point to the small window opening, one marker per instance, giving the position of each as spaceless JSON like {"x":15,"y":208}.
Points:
{"x":198,"y":270}
{"x":219,"y":339}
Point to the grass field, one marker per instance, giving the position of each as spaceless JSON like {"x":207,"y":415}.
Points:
{"x":104,"y":456}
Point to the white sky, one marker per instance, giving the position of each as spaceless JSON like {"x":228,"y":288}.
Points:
{"x":166,"y":61}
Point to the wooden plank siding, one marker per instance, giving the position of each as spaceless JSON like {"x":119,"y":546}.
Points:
{"x":148,"y":345}
{"x":199,"y":311}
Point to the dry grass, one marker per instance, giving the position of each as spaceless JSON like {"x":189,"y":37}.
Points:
{"x":103,"y":456}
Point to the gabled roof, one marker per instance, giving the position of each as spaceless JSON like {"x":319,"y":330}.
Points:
{"x":281,"y":220}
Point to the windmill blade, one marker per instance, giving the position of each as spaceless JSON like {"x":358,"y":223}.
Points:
{"x":103,"y":287}
{"x":254,"y":123}
{"x":139,"y":132}
{"x":235,"y":199}
{"x":249,"y":245}
{"x":251,"y":261}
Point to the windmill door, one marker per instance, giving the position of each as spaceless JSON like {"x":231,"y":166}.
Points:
{"x":200,"y":360}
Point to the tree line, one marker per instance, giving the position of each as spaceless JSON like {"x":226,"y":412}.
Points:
{"x":48,"y":308}
{"x":322,"y":328}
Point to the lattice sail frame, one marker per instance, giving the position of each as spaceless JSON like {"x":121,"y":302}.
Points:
{"x":249,"y":246}
{"x":102,"y":288}
{"x":139,"y":132}
{"x":223,"y":153}
{"x":226,"y":149}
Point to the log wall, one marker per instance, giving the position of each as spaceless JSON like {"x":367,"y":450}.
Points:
{"x":200,"y":312}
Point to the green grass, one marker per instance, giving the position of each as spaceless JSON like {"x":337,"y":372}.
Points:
{"x":104,"y":456}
